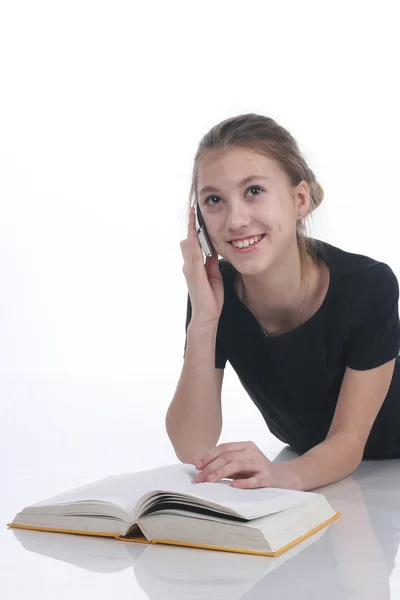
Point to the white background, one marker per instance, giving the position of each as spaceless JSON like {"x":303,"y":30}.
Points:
{"x":102,"y":105}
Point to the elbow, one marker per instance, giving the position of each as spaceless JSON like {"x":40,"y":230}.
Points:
{"x":191,"y":455}
{"x":186,"y":455}
{"x":349,"y":450}
{"x":186,"y":458}
{"x":182,"y":452}
{"x":191,"y":444}
{"x":354,"y":451}
{"x":353,"y":461}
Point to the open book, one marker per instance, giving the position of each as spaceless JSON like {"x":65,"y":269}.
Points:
{"x":166,"y":506}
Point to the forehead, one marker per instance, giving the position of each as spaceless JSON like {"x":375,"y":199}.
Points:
{"x":233,"y":165}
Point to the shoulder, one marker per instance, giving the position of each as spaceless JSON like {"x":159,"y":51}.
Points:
{"x":367,"y":287}
{"x":359,"y":273}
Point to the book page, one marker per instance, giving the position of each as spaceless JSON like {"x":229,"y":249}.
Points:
{"x":128,"y":489}
{"x":249,"y":504}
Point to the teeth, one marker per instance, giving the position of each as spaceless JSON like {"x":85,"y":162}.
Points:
{"x":246,"y":243}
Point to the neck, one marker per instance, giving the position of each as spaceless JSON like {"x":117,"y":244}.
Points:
{"x":276,"y":296}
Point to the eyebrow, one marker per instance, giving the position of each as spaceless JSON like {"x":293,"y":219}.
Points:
{"x":210,"y":188}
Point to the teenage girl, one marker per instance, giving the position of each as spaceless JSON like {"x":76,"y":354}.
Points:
{"x":311,"y":330}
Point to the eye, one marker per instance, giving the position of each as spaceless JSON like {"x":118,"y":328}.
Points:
{"x":255,"y":187}
{"x":252,"y":187}
{"x":209,"y":198}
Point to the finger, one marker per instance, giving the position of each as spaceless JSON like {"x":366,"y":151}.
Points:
{"x":227,"y":470}
{"x":216,"y":465}
{"x":212,"y":467}
{"x":192,"y":222}
{"x":256,"y":481}
{"x":218,"y":450}
{"x":183,"y":246}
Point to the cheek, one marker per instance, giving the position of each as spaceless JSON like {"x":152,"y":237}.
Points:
{"x":283,"y":228}
{"x":283,"y":221}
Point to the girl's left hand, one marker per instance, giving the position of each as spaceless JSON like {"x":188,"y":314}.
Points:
{"x":244,"y":463}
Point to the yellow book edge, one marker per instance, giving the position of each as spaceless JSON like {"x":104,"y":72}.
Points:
{"x":140,"y":540}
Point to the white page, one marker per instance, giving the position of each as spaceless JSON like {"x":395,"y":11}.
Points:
{"x":127,"y":489}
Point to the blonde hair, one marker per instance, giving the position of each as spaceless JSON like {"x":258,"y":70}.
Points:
{"x":264,"y":136}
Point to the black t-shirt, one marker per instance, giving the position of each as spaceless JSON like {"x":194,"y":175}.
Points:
{"x":294,"y":378}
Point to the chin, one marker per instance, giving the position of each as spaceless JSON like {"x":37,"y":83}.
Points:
{"x":251,"y":272}
{"x":254,"y":268}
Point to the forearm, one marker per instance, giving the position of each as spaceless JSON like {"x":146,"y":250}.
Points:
{"x":194,"y":419}
{"x":332,"y":460}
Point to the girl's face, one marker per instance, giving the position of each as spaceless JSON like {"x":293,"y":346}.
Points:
{"x":235,"y":209}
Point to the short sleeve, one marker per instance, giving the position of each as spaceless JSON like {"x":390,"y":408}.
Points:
{"x":375,"y":331}
{"x":220,"y":356}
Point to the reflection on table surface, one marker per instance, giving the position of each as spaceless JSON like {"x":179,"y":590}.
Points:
{"x":352,"y":558}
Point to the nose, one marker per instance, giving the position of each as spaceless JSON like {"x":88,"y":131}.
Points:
{"x":237,"y":218}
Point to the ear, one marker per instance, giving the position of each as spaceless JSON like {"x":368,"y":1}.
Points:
{"x":302,"y":198}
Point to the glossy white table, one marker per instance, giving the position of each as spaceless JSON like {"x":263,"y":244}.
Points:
{"x":354,"y":558}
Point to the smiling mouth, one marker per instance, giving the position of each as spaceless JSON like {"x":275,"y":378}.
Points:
{"x":261,"y":236}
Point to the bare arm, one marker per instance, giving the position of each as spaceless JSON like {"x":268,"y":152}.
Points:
{"x":194,"y":417}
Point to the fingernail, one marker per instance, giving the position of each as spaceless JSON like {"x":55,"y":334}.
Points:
{"x":198,"y":464}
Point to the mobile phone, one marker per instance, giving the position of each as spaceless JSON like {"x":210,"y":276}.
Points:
{"x":202,"y":233}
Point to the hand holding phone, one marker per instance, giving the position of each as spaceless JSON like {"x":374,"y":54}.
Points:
{"x":204,"y":281}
